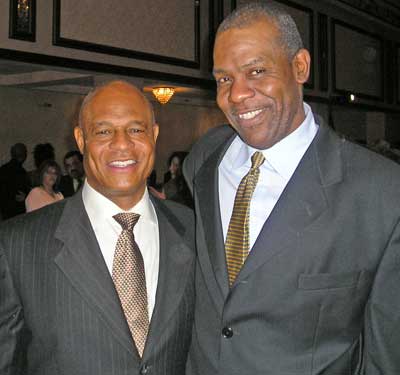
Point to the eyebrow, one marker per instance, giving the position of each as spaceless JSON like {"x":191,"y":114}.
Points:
{"x":244,"y":66}
{"x":131,"y":122}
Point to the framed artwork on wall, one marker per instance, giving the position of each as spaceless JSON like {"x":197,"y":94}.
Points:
{"x":169,"y":31}
{"x":23,"y":20}
{"x":397,"y":67}
{"x":357,"y":62}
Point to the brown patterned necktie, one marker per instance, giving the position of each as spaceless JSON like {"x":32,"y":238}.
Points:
{"x":237,"y":244}
{"x":130,"y":281}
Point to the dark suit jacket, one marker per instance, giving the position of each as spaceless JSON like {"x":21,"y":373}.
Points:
{"x":59,"y":311}
{"x":67,"y":186}
{"x":319,"y":291}
{"x":13,"y":179}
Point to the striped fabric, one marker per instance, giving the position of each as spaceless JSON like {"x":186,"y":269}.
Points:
{"x":237,"y":239}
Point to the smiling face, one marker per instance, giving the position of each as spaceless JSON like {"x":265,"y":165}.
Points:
{"x":117,"y":138}
{"x":258,"y":88}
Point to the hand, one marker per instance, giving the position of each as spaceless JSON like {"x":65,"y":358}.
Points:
{"x":156,"y":193}
{"x":20,"y":197}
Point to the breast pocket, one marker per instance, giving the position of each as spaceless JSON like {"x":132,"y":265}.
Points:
{"x":331,"y":280}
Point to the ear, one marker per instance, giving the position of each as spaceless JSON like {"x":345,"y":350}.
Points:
{"x":79,"y":138}
{"x":301,"y":66}
{"x":156,"y":130}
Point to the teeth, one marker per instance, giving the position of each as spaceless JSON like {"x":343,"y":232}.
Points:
{"x":249,"y":115}
{"x":124,"y":163}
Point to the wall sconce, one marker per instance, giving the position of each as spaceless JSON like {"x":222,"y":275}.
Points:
{"x":163,"y":94}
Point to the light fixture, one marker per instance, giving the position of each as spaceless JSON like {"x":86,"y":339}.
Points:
{"x":163,"y":94}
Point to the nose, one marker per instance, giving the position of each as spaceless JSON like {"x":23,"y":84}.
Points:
{"x":240,"y":90}
{"x":120,"y":140}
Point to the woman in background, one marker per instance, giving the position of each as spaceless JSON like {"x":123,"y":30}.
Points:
{"x":175,"y":187}
{"x":47,"y":192}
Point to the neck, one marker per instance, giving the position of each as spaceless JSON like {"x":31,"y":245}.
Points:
{"x":48,"y":189}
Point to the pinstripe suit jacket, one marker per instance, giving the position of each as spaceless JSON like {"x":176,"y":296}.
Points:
{"x":319,"y":292}
{"x":59,"y":311}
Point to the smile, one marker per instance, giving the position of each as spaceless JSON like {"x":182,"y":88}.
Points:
{"x":122,"y":163}
{"x":249,"y":115}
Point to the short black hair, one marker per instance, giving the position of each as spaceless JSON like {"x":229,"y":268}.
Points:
{"x":72,"y":153}
{"x":181,"y":155}
{"x":250,"y":13}
{"x":42,"y":152}
{"x":15,"y":149}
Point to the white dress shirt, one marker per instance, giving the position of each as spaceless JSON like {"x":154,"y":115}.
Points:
{"x":281,"y":160}
{"x":101,"y":211}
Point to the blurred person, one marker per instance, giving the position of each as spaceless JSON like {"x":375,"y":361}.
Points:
{"x":175,"y":187}
{"x":47,"y":192}
{"x":73,"y":180}
{"x":14,"y":183}
{"x":297,"y":229}
{"x":103,"y":282}
{"x":41,"y":152}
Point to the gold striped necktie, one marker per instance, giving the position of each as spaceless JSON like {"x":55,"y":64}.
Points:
{"x":237,"y":244}
{"x":130,"y":281}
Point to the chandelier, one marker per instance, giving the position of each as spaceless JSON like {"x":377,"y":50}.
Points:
{"x":163,"y":94}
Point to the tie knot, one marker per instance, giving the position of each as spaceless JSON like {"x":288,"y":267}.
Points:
{"x":257,"y":159}
{"x":127,"y":220}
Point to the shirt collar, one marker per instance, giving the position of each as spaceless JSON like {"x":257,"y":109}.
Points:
{"x":292,"y":147}
{"x":100,"y":208}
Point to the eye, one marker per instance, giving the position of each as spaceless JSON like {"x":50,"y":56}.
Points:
{"x":135,"y":130}
{"x":222,"y":80}
{"x":102,"y":132}
{"x":256,"y":72}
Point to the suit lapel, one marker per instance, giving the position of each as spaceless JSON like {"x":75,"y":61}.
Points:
{"x":174,"y":270}
{"x":206,"y":186}
{"x":82,"y":263}
{"x":301,"y":203}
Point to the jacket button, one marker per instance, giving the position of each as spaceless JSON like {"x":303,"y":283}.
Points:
{"x":227,"y":332}
{"x":144,"y":370}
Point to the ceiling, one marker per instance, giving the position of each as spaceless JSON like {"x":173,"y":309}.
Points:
{"x":57,"y":79}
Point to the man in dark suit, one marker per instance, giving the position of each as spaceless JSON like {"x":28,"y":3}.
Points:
{"x":297,"y":230}
{"x":14,"y":183}
{"x":66,"y":304}
{"x":73,"y":180}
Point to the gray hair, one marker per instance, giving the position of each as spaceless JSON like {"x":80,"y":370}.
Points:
{"x":88,"y":98}
{"x":248,"y":14}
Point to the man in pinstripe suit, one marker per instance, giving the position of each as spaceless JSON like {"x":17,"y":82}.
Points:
{"x":59,"y":310}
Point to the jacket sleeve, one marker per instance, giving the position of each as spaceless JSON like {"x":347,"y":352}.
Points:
{"x":11,"y":323}
{"x":382,"y":317}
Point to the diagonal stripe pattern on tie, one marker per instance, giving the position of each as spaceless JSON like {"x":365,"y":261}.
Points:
{"x":130,"y":281}
{"x":237,"y":244}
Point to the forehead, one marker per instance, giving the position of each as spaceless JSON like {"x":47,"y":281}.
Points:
{"x":259,"y":37}
{"x":72,"y":159}
{"x":117,"y":103}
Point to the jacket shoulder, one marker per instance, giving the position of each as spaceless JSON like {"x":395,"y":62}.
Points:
{"x":210,"y":141}
{"x":33,"y":224}
{"x":203,"y":148}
